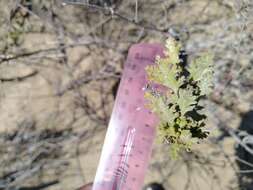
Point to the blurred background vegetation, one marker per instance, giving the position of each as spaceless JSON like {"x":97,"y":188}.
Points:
{"x":60,"y":65}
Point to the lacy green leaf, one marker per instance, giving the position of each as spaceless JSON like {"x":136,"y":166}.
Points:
{"x":158,"y":105}
{"x":172,"y":51}
{"x":180,"y":125}
{"x":164,"y":73}
{"x":185,"y":100}
{"x":200,"y":67}
{"x":206,"y":83}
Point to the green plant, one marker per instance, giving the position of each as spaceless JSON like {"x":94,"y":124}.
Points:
{"x":177,"y":99}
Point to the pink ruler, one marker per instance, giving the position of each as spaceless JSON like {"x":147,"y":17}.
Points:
{"x":131,"y":130}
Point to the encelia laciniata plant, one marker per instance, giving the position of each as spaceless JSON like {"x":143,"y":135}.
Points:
{"x":176,"y":100}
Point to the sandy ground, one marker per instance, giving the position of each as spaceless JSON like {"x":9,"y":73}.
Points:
{"x":55,"y":96}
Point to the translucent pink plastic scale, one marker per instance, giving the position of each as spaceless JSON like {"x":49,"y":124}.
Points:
{"x":131,"y":130}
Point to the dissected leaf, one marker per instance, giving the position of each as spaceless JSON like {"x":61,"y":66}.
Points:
{"x":159,"y":106}
{"x":180,"y":123}
{"x":164,"y":73}
{"x":206,"y":84}
{"x":200,"y":66}
{"x":172,"y":51}
{"x":201,"y":70}
{"x":185,"y":100}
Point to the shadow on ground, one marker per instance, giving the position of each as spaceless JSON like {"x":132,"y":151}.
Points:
{"x":245,"y":179}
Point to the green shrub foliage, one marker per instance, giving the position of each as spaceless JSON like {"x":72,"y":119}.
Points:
{"x":177,"y":99}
